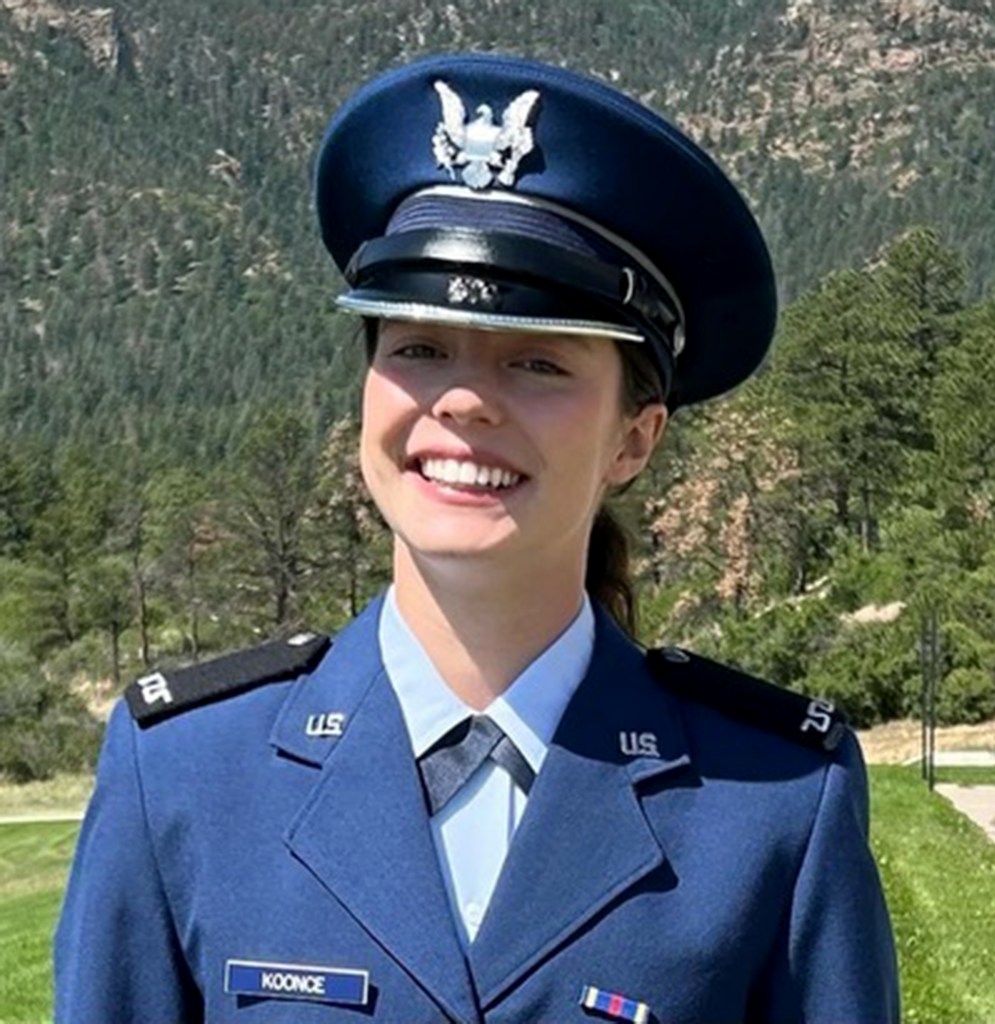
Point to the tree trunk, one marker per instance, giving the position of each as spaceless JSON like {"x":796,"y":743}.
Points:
{"x":866,"y":522}
{"x":115,"y":632}
{"x":194,"y":604}
{"x":143,"y":614}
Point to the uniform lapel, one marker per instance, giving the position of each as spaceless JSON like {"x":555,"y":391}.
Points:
{"x":364,"y":831}
{"x":584,"y":839}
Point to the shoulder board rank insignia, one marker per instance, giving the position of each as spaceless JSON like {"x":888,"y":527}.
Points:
{"x":813,"y":722}
{"x":161,"y":695}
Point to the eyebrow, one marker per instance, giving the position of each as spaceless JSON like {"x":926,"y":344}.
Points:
{"x":414,"y":331}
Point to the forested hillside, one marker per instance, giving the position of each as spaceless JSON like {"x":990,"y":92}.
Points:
{"x":175,"y":476}
{"x":162,"y":277}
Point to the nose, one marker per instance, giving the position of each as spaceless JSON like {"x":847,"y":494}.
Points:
{"x":469,"y":398}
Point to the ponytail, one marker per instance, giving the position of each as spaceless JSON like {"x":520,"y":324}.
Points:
{"x":607,"y":577}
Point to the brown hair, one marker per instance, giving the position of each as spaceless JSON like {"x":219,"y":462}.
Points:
{"x":607,"y":577}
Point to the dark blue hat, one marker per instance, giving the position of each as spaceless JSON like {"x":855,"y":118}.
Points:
{"x":503,"y":193}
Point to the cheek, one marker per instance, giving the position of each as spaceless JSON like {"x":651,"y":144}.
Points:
{"x":584,"y":439}
{"x":386,"y":411}
{"x":607,"y":448}
{"x":365,"y":461}
{"x":373,"y":388}
{"x":378,"y":423}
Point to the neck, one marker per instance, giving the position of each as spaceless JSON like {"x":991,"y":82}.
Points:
{"x":481,"y":625}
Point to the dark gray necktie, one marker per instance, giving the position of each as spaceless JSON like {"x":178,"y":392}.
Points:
{"x":447,"y":766}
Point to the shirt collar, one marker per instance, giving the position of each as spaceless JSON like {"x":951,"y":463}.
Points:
{"x":528,"y":711}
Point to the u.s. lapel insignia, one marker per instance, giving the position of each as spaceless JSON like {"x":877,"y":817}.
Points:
{"x":613,"y":1005}
{"x":482,"y":151}
{"x":326,"y":725}
{"x":639,"y":744}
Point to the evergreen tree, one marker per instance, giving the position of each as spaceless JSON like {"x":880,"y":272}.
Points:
{"x":349,"y":545}
{"x":265,"y":512}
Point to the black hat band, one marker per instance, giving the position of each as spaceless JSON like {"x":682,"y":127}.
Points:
{"x":531,"y":278}
{"x":517,"y":257}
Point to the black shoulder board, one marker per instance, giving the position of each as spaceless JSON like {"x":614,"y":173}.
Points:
{"x":813,"y":722}
{"x":161,"y":695}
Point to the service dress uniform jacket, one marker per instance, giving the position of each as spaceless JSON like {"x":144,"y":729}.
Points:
{"x":267,"y":857}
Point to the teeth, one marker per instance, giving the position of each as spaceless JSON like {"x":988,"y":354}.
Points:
{"x":468,"y":474}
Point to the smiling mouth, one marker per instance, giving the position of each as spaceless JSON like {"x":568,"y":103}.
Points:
{"x":464,"y":473}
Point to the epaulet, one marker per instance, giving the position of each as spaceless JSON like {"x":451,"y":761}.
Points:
{"x":813,"y":722}
{"x":161,"y":695}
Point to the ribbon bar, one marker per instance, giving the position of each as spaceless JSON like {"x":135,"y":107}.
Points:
{"x":613,"y":1005}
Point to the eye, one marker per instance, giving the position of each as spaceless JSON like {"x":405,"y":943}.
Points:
{"x":416,"y":350}
{"x":543,"y":366}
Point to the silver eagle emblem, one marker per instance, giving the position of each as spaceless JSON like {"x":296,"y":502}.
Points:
{"x":480,"y":150}
{"x":471,"y":291}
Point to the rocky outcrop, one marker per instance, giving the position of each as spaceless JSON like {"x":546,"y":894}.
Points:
{"x":840,"y":84}
{"x":97,"y":28}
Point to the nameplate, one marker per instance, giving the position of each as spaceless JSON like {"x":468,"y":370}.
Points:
{"x":297,"y":981}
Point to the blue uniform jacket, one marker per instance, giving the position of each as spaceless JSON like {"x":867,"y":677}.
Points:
{"x":726,"y":879}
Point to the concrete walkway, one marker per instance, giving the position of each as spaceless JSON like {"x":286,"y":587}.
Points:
{"x":960,"y":759}
{"x":977,"y":802}
{"x":33,"y":818}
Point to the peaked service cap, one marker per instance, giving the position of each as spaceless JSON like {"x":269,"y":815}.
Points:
{"x":503,"y":193}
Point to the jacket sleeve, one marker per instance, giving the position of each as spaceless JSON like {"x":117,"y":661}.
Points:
{"x":836,"y":961}
{"x":118,"y":958}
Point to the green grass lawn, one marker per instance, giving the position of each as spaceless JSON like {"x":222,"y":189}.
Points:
{"x":938,"y":870}
{"x":33,"y":864}
{"x":965,"y":776}
{"x":939,"y":874}
{"x":63,"y":793}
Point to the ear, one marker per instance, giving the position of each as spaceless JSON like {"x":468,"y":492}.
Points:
{"x":640,"y":435}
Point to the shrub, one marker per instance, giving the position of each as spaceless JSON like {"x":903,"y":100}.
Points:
{"x":966,"y":695}
{"x":44,"y":728}
{"x":868,"y":671}
{"x":778,"y":645}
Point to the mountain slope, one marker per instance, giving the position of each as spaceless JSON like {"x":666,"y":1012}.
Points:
{"x":160,"y":275}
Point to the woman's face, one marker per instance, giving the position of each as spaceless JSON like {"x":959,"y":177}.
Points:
{"x":494,"y":444}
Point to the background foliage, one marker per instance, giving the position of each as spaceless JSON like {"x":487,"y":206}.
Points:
{"x":177,"y":469}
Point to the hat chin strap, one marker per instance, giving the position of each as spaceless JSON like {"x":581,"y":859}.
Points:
{"x":505,"y":198}
{"x":522,"y":260}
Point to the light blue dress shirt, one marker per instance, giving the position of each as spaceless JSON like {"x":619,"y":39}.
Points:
{"x":473,"y":832}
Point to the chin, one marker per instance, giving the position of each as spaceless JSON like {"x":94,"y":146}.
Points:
{"x":453,"y":548}
{"x":451,"y":542}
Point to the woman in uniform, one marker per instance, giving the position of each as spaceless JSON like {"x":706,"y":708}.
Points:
{"x":483,"y":802}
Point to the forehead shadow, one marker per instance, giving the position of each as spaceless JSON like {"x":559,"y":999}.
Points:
{"x":430,"y":330}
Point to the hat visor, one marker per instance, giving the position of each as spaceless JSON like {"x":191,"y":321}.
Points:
{"x":371,"y":303}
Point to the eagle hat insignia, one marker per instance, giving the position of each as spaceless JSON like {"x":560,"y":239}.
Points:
{"x":463,"y":290}
{"x":481,"y":151}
